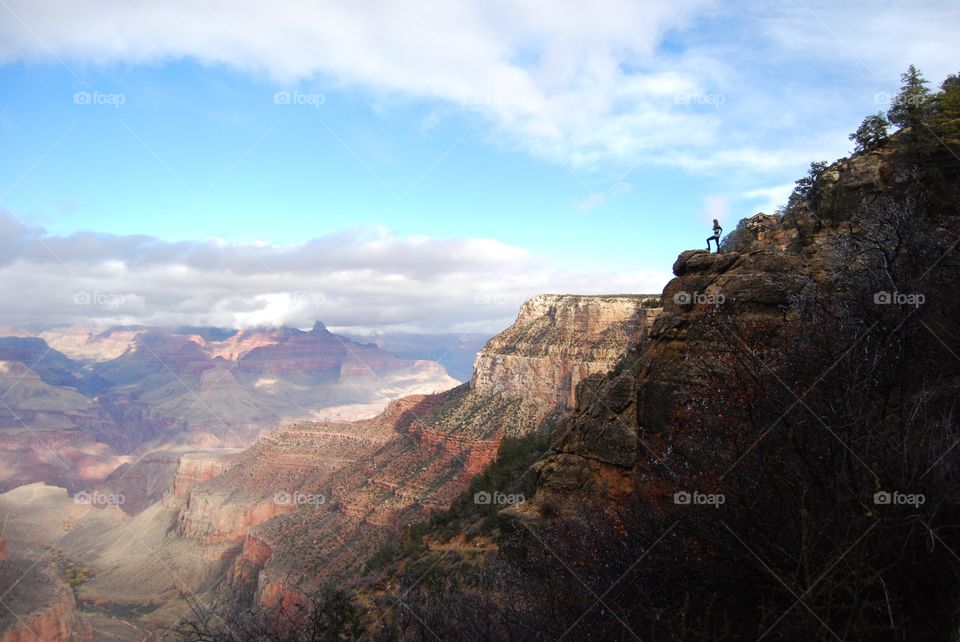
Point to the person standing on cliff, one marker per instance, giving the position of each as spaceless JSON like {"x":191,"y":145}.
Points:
{"x":717,"y":230}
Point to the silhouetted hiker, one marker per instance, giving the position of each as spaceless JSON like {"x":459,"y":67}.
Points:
{"x":717,"y":230}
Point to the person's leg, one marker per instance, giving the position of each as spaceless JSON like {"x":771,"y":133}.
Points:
{"x":709,"y":238}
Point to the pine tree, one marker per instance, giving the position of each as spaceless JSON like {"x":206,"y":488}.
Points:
{"x":911,"y":106}
{"x":947,"y":108}
{"x":805,"y":186}
{"x":871,"y":133}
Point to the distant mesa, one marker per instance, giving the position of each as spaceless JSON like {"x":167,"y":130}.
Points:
{"x":110,"y":392}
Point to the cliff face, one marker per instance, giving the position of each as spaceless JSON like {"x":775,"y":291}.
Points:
{"x":379,"y":475}
{"x":39,"y":607}
{"x":270,"y":478}
{"x":608,"y":438}
{"x":556,"y":342}
{"x":312,"y":502}
{"x":603,"y":443}
{"x":196,"y":467}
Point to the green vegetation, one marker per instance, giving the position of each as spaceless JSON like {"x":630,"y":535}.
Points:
{"x":652,"y":301}
{"x":807,"y":186}
{"x":739,"y":240}
{"x":946,"y":113}
{"x":334,"y":617}
{"x":871,"y":133}
{"x":73,"y":573}
{"x":911,"y":108}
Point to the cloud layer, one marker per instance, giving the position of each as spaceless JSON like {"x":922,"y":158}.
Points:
{"x":359,"y":280}
{"x":691,"y":83}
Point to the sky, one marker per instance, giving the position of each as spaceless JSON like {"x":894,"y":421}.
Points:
{"x":407,"y":164}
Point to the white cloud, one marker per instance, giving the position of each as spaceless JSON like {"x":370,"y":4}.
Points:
{"x":360,"y":279}
{"x":740,"y":86}
{"x":879,"y":41}
{"x":770,"y":198}
{"x":543,"y":73}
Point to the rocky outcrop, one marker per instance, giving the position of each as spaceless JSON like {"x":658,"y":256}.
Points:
{"x":144,"y":481}
{"x":196,"y":467}
{"x":253,"y":556}
{"x":603,"y":443}
{"x":558,"y":341}
{"x":214,"y":519}
{"x":99,"y":343}
{"x":475,"y":453}
{"x":39,"y":607}
{"x":606,"y":443}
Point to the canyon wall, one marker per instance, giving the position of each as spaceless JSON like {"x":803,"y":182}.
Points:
{"x":196,"y":467}
{"x":431,"y":446}
{"x":38,"y":606}
{"x":608,"y":440}
{"x":55,"y":619}
{"x":559,"y":340}
{"x":311,"y":502}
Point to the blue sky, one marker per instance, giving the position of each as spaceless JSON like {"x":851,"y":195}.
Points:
{"x":581,"y":148}
{"x":196,"y":152}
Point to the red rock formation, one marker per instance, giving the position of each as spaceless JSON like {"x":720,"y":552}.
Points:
{"x":274,"y":476}
{"x":254,"y":555}
{"x":176,"y":354}
{"x":475,"y":453}
{"x":556,"y":342}
{"x":224,"y":522}
{"x":39,"y":607}
{"x":373,"y":476}
{"x":429,"y":447}
{"x":91,"y":342}
{"x":197,"y":467}
{"x":480,"y":454}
